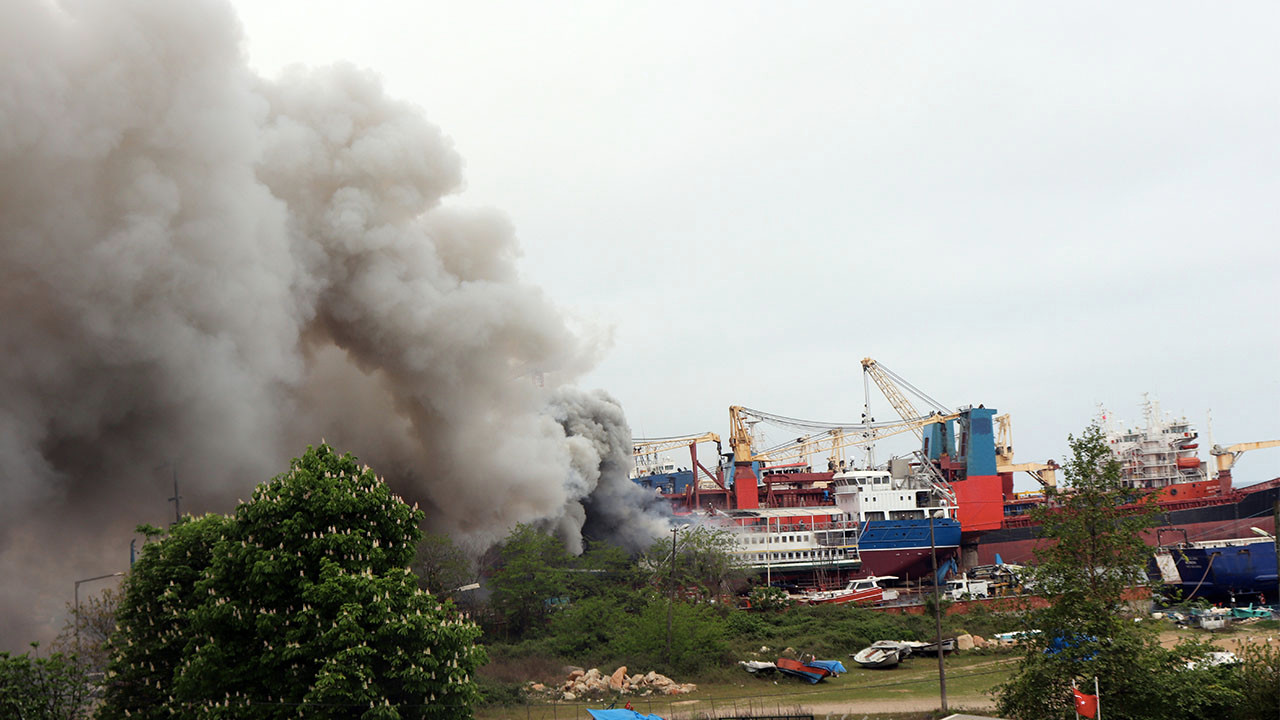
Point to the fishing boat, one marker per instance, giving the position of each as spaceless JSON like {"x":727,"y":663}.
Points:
{"x":877,"y":657}
{"x":931,"y":648}
{"x":865,"y":590}
{"x":904,"y":648}
{"x":812,"y":673}
{"x":756,"y":667}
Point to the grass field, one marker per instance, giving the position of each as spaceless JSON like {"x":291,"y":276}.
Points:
{"x":909,"y":691}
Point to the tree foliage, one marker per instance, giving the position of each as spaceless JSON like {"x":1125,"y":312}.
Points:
{"x":49,"y":688}
{"x":302,"y":602}
{"x":1259,"y":681}
{"x":528,"y":579}
{"x":697,"y":637}
{"x":1096,"y":555}
{"x":706,"y":566}
{"x":88,"y":630}
{"x":441,"y":566}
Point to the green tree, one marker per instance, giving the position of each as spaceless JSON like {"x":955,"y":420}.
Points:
{"x":88,"y":630}
{"x":706,"y":565}
{"x":1095,"y":556}
{"x":528,"y":579}
{"x":49,"y":688}
{"x":301,"y":603}
{"x":697,"y":638}
{"x":442,"y":567}
{"x":606,"y":570}
{"x":1259,"y":682}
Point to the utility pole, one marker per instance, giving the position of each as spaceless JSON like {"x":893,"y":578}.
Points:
{"x":176,"y":499}
{"x":672,"y":594}
{"x":937,"y":614}
{"x":1275,"y":537}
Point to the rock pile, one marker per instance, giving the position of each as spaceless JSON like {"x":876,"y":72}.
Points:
{"x":589,"y":683}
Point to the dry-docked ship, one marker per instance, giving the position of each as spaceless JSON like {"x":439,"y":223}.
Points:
{"x":1194,"y":497}
{"x":795,"y":520}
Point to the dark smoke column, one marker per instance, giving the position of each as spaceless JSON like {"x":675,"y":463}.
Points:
{"x":209,"y":269}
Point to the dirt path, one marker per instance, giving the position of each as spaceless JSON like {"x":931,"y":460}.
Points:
{"x":1225,"y":640}
{"x":835,"y":709}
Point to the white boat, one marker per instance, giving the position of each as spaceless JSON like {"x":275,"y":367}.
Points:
{"x":877,"y":657}
{"x":859,"y":590}
{"x":904,"y":648}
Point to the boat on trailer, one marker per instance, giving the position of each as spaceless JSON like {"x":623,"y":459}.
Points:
{"x":865,"y":590}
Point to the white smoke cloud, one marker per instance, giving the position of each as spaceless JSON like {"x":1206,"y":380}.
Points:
{"x":202,"y":271}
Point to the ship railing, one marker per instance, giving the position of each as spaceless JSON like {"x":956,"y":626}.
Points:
{"x":775,"y":529}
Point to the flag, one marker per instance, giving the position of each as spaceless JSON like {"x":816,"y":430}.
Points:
{"x":1086,"y":704}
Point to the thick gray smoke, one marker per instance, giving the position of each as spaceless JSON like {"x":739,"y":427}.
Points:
{"x":202,"y":271}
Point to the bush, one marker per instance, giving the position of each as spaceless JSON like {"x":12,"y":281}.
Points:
{"x":37,"y":688}
{"x":498,"y":692}
{"x":589,"y":627}
{"x":768,"y":598}
{"x":1259,"y":681}
{"x":697,"y":639}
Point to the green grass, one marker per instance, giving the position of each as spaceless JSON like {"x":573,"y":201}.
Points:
{"x":969,"y":676}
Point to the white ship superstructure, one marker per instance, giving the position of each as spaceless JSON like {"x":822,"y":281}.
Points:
{"x":864,"y":495}
{"x":792,"y":539}
{"x":1160,"y":454}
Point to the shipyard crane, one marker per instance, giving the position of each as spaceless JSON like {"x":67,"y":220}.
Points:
{"x":1226,"y":456}
{"x":651,"y":447}
{"x":1044,"y":473}
{"x":833,"y":436}
{"x":890,"y":383}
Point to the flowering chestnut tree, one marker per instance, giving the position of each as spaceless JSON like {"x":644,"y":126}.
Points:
{"x":301,"y":604}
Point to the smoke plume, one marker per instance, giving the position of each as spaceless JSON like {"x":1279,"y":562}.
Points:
{"x":202,"y":271}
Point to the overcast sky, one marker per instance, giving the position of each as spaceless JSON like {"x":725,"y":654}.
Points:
{"x":1039,"y":208}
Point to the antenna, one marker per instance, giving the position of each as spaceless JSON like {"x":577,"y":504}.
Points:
{"x":176,"y":499}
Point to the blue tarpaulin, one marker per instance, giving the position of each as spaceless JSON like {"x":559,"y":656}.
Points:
{"x":623,"y":714}
{"x":832,"y":666}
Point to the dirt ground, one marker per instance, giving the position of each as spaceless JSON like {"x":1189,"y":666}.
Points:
{"x":835,"y":710}
{"x":1238,"y":635}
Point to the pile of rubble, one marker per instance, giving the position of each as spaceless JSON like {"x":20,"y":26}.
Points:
{"x":586,"y":683}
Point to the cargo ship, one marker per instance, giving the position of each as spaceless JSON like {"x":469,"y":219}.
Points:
{"x":955,"y":494}
{"x":1195,"y":497}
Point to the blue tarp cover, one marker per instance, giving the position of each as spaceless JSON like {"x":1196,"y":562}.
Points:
{"x":832,"y":666}
{"x":622,"y":714}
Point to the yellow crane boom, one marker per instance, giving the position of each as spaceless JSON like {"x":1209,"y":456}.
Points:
{"x":648,"y":446}
{"x":1226,"y":456}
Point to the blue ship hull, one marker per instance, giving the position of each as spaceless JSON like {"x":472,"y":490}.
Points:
{"x":901,"y":547}
{"x":674,"y":483}
{"x":1219,"y":571}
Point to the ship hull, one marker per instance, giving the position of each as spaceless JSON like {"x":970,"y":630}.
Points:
{"x":901,"y":547}
{"x":1222,"y":571}
{"x":1208,"y":522}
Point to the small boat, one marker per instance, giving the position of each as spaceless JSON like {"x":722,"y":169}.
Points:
{"x":948,"y":645}
{"x":835,"y":667}
{"x":757,"y":666}
{"x":904,"y":648}
{"x":859,"y":590}
{"x":874,"y":657}
{"x":1251,"y":612}
{"x":812,"y":673}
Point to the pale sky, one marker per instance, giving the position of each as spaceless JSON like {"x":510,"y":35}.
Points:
{"x":1036,"y":207}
